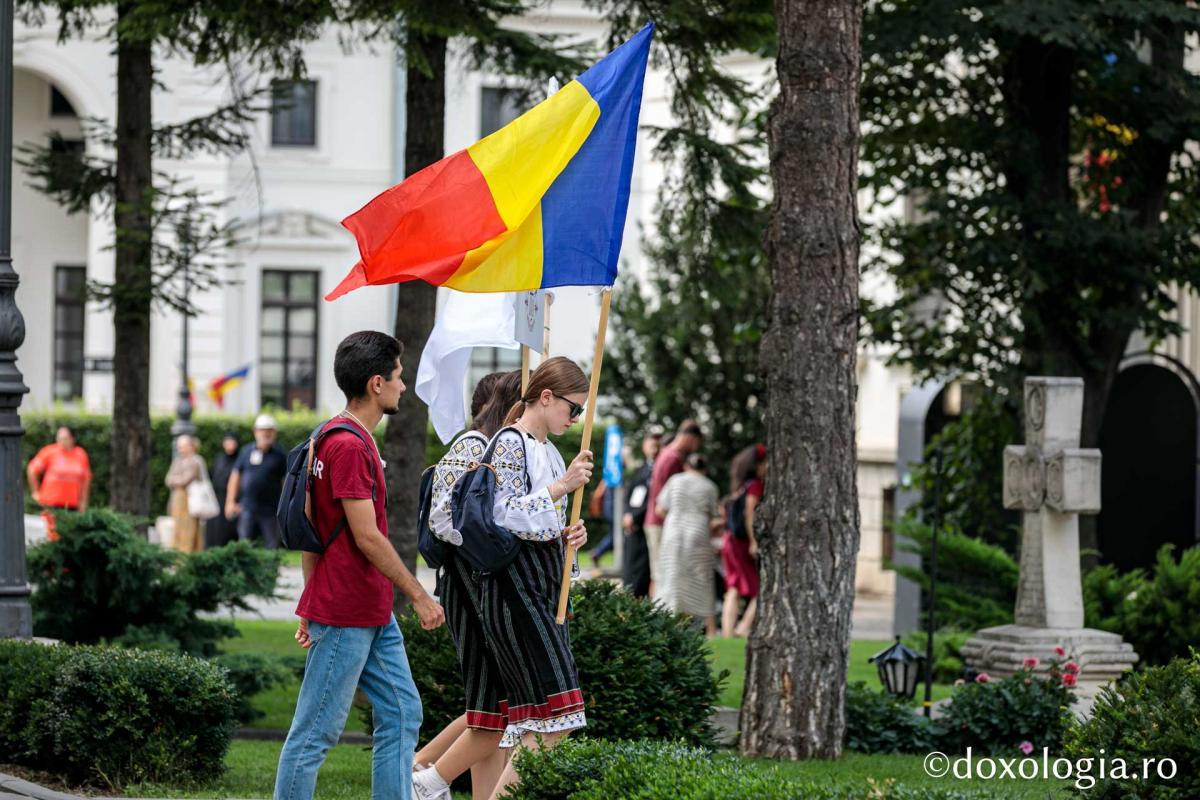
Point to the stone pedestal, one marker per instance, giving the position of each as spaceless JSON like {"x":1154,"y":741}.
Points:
{"x":1052,"y":481}
{"x":1102,"y":656}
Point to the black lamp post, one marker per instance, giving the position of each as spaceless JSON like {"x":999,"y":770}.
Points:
{"x":933,"y":554}
{"x":183,"y":411}
{"x":16,"y":619}
{"x":899,"y":669}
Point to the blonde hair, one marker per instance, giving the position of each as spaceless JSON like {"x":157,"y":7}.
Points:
{"x":560,"y":375}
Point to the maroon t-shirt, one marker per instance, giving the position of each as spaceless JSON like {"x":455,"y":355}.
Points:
{"x":345,"y":589}
{"x":667,"y":464}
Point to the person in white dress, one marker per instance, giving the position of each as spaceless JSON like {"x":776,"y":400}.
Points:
{"x":688,"y":504}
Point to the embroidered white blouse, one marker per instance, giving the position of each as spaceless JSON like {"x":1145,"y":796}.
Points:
{"x":464,"y":453}
{"x":528,"y":511}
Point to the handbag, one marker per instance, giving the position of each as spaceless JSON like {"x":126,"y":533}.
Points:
{"x":201,"y":497}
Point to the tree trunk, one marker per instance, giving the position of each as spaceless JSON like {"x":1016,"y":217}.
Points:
{"x":808,"y":530}
{"x":404,"y":440}
{"x":129,"y":487}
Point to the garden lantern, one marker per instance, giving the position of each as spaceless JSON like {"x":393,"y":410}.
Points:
{"x":899,"y":669}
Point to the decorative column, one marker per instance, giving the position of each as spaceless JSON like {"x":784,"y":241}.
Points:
{"x":16,"y":619}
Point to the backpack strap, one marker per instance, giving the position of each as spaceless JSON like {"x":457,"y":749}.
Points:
{"x":487,"y":456}
{"x":314,"y":440}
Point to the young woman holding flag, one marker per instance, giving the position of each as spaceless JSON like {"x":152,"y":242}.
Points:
{"x":471,"y":741}
{"x":519,"y":603}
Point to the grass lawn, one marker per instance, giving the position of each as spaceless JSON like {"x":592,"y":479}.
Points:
{"x":856,"y":769}
{"x":347,"y":774}
{"x":730,"y":654}
{"x":275,"y":637}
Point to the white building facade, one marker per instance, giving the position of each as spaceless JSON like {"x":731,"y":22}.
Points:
{"x":338,"y":145}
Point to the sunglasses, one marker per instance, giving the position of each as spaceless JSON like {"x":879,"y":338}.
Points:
{"x":575,"y":409}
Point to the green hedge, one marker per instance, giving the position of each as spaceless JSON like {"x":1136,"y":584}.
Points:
{"x":94,"y":434}
{"x":110,"y":716}
{"x":585,"y":769}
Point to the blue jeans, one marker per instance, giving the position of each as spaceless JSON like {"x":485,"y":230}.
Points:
{"x":340,"y":660}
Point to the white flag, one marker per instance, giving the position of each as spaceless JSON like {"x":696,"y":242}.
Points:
{"x":466,"y":321}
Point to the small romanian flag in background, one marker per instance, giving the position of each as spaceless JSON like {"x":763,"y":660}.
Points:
{"x":539,"y":203}
{"x":223,"y":383}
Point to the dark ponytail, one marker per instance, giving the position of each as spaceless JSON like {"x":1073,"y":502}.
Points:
{"x":505,"y":391}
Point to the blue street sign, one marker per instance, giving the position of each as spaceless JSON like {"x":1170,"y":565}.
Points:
{"x":613,"y":467}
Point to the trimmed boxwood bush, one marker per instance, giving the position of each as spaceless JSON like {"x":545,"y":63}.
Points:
{"x":643,"y":670}
{"x":111,"y":716}
{"x":877,"y":722}
{"x":1151,"y":714}
{"x":102,"y":582}
{"x":584,"y":769}
{"x":251,"y":674}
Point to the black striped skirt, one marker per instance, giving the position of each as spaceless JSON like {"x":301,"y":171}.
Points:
{"x":458,"y":590}
{"x":533,"y":651}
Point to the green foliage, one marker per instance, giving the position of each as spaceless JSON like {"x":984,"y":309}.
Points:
{"x":996,"y":716}
{"x":1042,"y":149}
{"x":102,"y":582}
{"x":685,"y":343}
{"x":877,"y":722}
{"x":613,"y":636}
{"x":108,"y":717}
{"x":947,"y":662}
{"x":1146,"y":717}
{"x":1159,"y":615}
{"x":976,"y":581}
{"x":250,"y":674}
{"x":585,"y":769}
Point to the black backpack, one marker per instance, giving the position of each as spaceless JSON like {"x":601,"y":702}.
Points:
{"x":735,"y":514}
{"x":293,"y":514}
{"x":486,"y":546}
{"x":431,"y":548}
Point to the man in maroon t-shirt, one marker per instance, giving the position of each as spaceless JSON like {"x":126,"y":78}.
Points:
{"x":346,"y":621}
{"x":686,"y":441}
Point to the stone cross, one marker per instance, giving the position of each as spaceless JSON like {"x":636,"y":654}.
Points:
{"x":1052,"y":481}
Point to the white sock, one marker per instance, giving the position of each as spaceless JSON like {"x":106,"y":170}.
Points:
{"x":431,"y":779}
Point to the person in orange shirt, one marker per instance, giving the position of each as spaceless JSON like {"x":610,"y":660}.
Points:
{"x":60,"y":477}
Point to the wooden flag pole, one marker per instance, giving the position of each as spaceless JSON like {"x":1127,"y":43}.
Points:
{"x":546,"y":326}
{"x":524,"y":368}
{"x":577,"y":501}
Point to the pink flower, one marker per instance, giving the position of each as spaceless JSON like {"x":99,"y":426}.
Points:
{"x":982,"y":677}
{"x":1026,"y":747}
{"x":1060,"y":651}
{"x":1028,"y":681}
{"x":1068,"y":680}
{"x":1071,"y":668}
{"x":1031,"y":663}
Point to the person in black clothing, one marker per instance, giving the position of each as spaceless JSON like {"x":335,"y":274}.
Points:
{"x":635,"y":569}
{"x":220,"y":530}
{"x":255,"y":484}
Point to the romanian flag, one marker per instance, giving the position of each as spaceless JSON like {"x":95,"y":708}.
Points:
{"x":539,"y":203}
{"x":223,"y":383}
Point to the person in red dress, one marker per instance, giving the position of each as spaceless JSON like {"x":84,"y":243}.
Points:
{"x":739,"y":549}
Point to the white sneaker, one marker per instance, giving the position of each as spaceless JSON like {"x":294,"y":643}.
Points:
{"x":428,"y":784}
